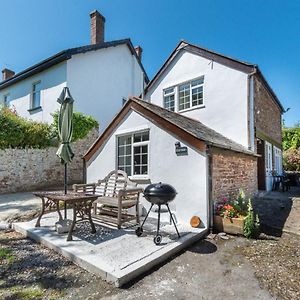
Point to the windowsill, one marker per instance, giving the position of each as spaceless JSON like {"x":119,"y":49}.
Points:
{"x":191,"y":108}
{"x":139,"y":177}
{"x":35,"y":109}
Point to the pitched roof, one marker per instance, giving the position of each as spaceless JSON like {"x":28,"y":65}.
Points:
{"x":214,"y":56}
{"x":67,"y":54}
{"x":192,"y":131}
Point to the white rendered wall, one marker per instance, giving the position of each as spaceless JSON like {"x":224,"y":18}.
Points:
{"x":52,"y":82}
{"x":188,"y":174}
{"x":98,"y":80}
{"x":225,"y":94}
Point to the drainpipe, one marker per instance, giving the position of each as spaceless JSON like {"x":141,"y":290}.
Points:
{"x":251,"y":117}
{"x":210,"y":200}
{"x":84,"y":170}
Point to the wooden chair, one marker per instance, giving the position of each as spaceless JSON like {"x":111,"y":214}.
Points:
{"x":117,"y":193}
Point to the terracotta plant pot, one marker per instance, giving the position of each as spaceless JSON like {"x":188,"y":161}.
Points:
{"x":232,"y":226}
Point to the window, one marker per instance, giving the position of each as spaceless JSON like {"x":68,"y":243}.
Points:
{"x":277,"y":161}
{"x":36,"y":95}
{"x":169,"y":99}
{"x":133,"y":153}
{"x":190,"y":94}
{"x":6,"y":100}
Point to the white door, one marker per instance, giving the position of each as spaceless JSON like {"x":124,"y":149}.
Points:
{"x":269,"y":165}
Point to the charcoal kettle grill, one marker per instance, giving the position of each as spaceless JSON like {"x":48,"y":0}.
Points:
{"x":158,"y":194}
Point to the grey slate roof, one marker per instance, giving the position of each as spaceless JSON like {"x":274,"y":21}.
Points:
{"x":195,"y":128}
{"x":67,"y":54}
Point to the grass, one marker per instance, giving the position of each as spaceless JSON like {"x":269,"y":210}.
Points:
{"x":6,"y":254}
{"x":28,"y":294}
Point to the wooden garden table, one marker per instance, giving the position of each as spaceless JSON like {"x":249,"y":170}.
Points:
{"x":81,"y":204}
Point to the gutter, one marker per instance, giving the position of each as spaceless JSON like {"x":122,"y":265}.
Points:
{"x":210,"y":208}
{"x":45,"y":64}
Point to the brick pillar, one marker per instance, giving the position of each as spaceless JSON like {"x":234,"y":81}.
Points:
{"x":6,"y":74}
{"x":97,"y":27}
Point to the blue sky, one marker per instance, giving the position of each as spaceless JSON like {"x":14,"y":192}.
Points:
{"x":263,"y":32}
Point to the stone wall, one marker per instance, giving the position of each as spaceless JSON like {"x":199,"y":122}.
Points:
{"x":267,"y":115}
{"x":232,"y":171}
{"x":33,"y":169}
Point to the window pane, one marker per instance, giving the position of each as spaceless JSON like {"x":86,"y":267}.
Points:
{"x":121,"y":150}
{"x":137,"y":150}
{"x":197,"y":82}
{"x":137,"y":138}
{"x":184,"y":96}
{"x":169,"y":102}
{"x":140,"y":160}
{"x":168,"y":91}
{"x":125,"y":140}
{"x":124,"y":153}
{"x":144,"y":170}
{"x":197,"y":96}
{"x":128,"y":160}
{"x":144,"y":159}
{"x":145,"y":136}
{"x":144,"y":149}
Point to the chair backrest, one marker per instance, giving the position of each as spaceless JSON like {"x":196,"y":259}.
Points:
{"x":112,"y":183}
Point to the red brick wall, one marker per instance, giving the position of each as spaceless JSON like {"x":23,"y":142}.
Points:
{"x":232,"y":171}
{"x":267,"y":114}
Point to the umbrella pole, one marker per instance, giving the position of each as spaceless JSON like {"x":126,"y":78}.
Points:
{"x":65,"y":183}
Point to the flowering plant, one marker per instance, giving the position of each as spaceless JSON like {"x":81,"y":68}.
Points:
{"x":228,"y":208}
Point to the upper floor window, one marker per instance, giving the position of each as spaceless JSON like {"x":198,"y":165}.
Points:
{"x":190,"y":94}
{"x":184,"y":96}
{"x":169,"y":99}
{"x":6,"y":100}
{"x":133,"y":153}
{"x":36,"y":95}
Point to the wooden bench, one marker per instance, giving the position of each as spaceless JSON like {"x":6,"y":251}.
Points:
{"x":117,"y":193}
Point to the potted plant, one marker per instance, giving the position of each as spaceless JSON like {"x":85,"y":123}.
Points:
{"x":230,"y":215}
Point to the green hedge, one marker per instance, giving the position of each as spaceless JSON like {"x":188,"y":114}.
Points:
{"x":82,"y":125}
{"x":291,"y":138}
{"x":18,"y":132}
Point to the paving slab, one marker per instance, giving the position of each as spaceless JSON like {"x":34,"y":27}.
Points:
{"x":117,"y":256}
{"x":17,"y":204}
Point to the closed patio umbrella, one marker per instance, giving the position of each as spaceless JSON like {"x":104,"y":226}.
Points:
{"x":65,"y":129}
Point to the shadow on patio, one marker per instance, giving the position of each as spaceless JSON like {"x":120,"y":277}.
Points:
{"x":275,"y":209}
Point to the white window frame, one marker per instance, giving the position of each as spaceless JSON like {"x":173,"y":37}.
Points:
{"x":175,"y":88}
{"x":33,"y":92}
{"x":190,"y":94}
{"x":168,"y":94}
{"x":135,"y":144}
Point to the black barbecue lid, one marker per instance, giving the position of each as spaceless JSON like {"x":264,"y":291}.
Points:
{"x":159,"y":189}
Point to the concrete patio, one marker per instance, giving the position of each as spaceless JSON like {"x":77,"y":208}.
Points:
{"x":117,"y":256}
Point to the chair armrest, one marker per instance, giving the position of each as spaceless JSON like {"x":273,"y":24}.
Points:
{"x":133,"y":192}
{"x":85,"y":187}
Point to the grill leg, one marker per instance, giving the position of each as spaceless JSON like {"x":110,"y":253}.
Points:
{"x":158,"y":221}
{"x":147,"y":216}
{"x":173,"y":220}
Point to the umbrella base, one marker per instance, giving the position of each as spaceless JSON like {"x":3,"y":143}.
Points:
{"x":63,"y":226}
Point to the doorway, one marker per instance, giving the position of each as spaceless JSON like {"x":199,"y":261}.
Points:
{"x":261,"y":170}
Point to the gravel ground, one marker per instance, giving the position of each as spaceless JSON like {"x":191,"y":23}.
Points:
{"x":210,"y":269}
{"x":277,"y":265}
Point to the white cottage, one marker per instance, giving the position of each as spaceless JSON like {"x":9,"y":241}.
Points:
{"x":100,"y":76}
{"x":227,"y":95}
{"x":153,"y":144}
